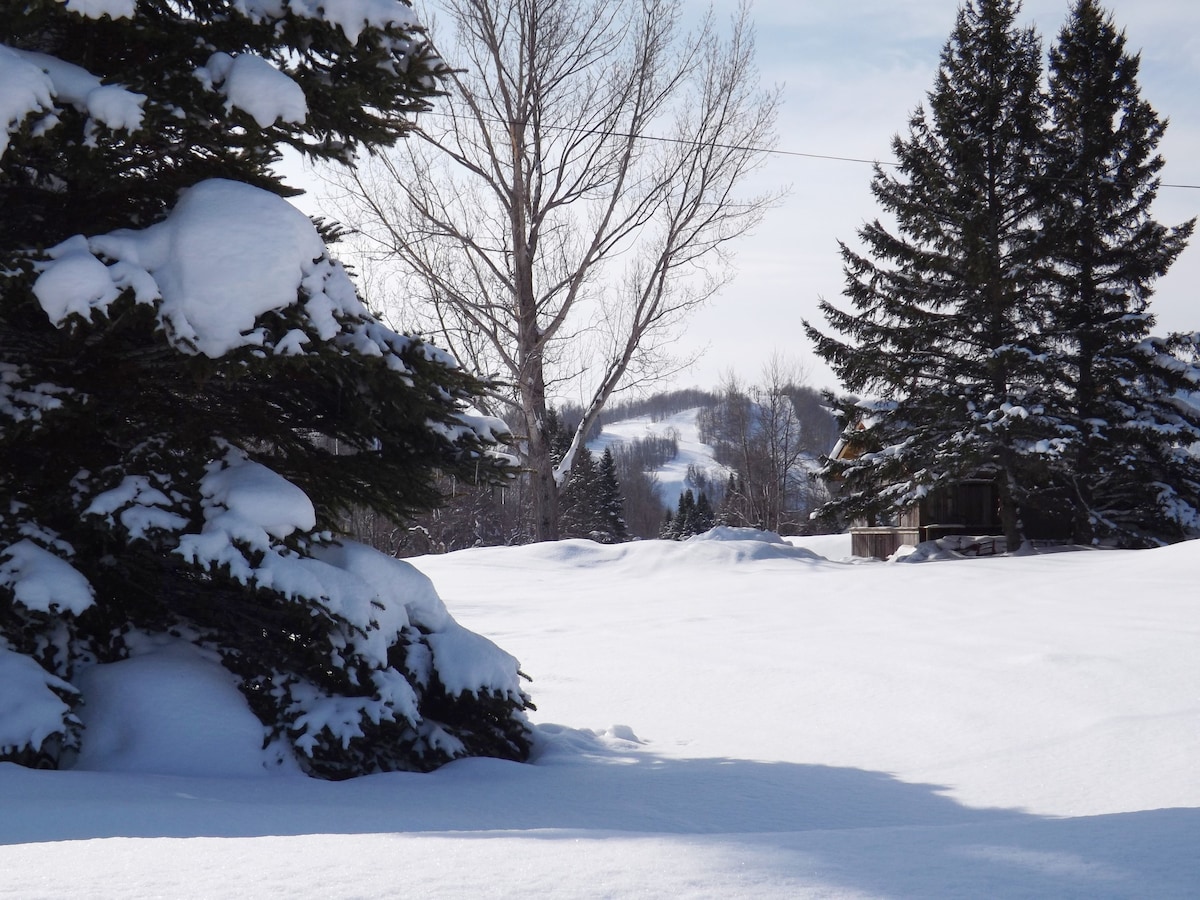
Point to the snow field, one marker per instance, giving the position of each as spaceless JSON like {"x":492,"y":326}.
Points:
{"x":725,"y":717}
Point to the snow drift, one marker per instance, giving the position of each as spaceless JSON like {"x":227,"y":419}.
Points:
{"x":733,"y":716}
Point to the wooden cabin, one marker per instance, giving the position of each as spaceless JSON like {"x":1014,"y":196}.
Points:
{"x":968,"y":507}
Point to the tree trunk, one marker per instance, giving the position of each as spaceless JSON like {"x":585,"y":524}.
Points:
{"x":1010,"y":512}
{"x":543,"y":488}
{"x":531,"y":344}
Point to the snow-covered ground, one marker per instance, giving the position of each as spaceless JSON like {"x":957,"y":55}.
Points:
{"x":728,"y":717}
{"x":672,"y":477}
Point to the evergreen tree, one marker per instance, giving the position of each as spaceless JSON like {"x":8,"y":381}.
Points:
{"x":668,"y":532}
{"x":579,"y":501}
{"x":693,"y":516}
{"x":590,"y":503}
{"x":558,"y":437}
{"x":706,"y":518}
{"x":178,"y":351}
{"x":944,"y":330}
{"x":1121,"y":465}
{"x":612,"y":503}
{"x":732,"y":503}
{"x":685,"y":516}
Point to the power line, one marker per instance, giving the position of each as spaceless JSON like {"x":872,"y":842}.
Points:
{"x":745,"y":148}
{"x":818,"y":156}
{"x":826,"y":156}
{"x":875,"y":162}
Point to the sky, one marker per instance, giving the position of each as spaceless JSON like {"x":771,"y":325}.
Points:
{"x":851,"y":75}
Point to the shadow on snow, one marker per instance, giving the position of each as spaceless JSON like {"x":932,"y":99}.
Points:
{"x":856,"y":828}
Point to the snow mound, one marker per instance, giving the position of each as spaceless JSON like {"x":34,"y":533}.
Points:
{"x":399,"y":592}
{"x":737,"y":545}
{"x":173,"y":710}
{"x":227,"y":254}
{"x":467,"y":662}
{"x":729,"y":533}
{"x":251,"y":84}
{"x":954,"y":546}
{"x":258,"y":497}
{"x":722,"y":546}
{"x":555,"y":744}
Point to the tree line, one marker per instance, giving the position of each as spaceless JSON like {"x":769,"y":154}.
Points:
{"x":766,"y":438}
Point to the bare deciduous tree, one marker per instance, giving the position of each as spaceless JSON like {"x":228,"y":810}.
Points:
{"x":573,"y":198}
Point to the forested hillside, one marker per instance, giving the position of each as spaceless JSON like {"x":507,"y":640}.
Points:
{"x":746,"y":454}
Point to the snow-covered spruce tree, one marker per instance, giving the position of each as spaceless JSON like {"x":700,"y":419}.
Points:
{"x":733,"y":503}
{"x":691,"y":517}
{"x":590,"y":504}
{"x":1122,"y":465}
{"x":667,"y":531}
{"x":612,"y":502}
{"x":943,"y":334}
{"x":177,"y":351}
{"x":579,"y":503}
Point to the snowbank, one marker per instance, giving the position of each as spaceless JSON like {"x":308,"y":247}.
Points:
{"x":787,"y":726}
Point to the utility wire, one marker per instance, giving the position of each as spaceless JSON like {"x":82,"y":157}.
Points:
{"x":875,"y":162}
{"x":828,"y":157}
